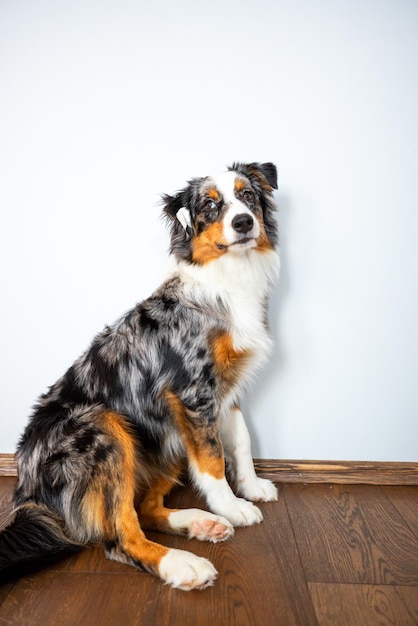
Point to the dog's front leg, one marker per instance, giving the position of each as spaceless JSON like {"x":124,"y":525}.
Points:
{"x":207,"y":468}
{"x":200,"y":433}
{"x":237,"y":444}
{"x":208,"y":475}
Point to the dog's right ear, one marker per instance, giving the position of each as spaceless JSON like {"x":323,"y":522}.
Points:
{"x":175,"y":208}
{"x":177,"y":213}
{"x":172,"y":204}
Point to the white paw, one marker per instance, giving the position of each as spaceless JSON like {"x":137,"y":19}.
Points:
{"x":186,"y":571}
{"x":201,"y":525}
{"x":242,"y":513}
{"x":257,"y":490}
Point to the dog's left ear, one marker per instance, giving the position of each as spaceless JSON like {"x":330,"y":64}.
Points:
{"x":269,"y":172}
{"x":265,"y":174}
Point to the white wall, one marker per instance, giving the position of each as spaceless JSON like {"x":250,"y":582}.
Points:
{"x":105,"y":105}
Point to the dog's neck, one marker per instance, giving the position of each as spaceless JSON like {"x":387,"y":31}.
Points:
{"x":241,"y":283}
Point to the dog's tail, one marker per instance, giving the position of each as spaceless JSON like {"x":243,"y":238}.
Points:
{"x":35,"y":537}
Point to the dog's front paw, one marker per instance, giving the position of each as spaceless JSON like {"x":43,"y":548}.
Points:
{"x":186,"y":571}
{"x":258,"y":490}
{"x":242,"y":513}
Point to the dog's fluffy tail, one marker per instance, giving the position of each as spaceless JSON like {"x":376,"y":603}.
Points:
{"x":33,"y":539}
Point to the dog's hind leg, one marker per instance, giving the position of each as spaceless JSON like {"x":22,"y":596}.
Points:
{"x":194,"y":523}
{"x":178,"y":568}
{"x":108,"y":507}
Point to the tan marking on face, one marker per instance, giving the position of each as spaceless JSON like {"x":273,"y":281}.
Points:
{"x":263,"y":242}
{"x":240,"y":185}
{"x":213,"y":194}
{"x":205,"y":248}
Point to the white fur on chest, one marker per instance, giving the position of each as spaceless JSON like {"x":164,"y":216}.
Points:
{"x":242,"y":282}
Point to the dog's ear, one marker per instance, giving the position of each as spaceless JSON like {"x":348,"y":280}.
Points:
{"x":172,"y":204}
{"x":265,"y":174}
{"x":269,"y":171}
{"x":177,"y":211}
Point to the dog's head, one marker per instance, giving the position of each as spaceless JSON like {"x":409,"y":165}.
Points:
{"x":224,"y":214}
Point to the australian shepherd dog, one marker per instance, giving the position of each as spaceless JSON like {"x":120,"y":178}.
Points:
{"x":157,"y":393}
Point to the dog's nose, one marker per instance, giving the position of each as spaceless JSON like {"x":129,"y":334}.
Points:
{"x":242,"y":223}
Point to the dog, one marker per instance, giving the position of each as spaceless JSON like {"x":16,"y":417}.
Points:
{"x":157,"y":393}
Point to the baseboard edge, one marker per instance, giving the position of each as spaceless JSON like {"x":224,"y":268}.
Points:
{"x":290,"y":471}
{"x":348,"y":472}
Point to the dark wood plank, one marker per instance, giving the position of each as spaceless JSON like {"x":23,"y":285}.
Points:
{"x":364,"y":605}
{"x":7,"y":485}
{"x":253,"y":565}
{"x":4,"y":592}
{"x":351,"y":535}
{"x":409,"y":597}
{"x":260,"y":577}
{"x":405,"y":499}
{"x":90,"y":560}
{"x":65,"y":599}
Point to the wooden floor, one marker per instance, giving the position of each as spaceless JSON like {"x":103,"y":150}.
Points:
{"x":325,"y":554}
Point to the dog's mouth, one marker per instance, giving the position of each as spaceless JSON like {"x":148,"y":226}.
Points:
{"x":243,"y":240}
{"x":238,"y":243}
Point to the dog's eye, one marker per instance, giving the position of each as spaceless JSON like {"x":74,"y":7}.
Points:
{"x":210,"y":204}
{"x":247,"y":195}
